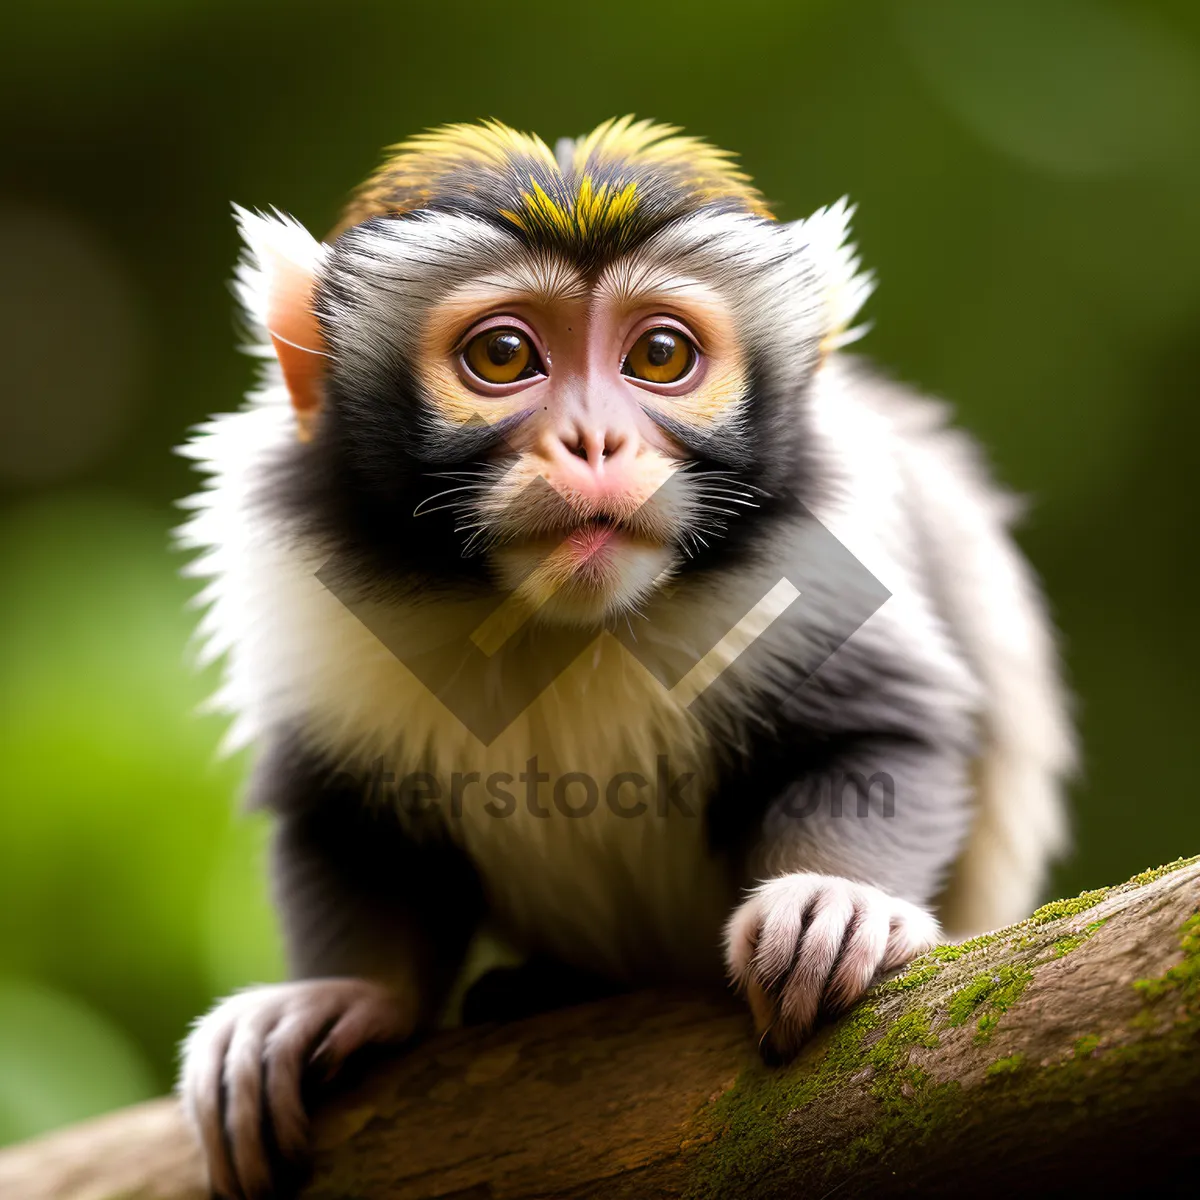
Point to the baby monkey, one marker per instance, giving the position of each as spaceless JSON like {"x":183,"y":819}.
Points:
{"x":571,"y":580}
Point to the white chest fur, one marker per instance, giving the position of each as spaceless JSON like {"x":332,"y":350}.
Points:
{"x":585,"y":815}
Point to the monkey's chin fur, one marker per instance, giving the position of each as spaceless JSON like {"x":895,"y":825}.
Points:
{"x":588,"y":580}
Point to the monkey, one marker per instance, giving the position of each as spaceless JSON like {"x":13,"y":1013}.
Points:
{"x":680,"y":643}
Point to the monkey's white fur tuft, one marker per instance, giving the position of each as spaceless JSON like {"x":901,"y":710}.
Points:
{"x":270,"y":242}
{"x":824,"y":239}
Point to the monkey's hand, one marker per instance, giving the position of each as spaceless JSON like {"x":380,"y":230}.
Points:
{"x":805,"y":945}
{"x":244,"y":1064}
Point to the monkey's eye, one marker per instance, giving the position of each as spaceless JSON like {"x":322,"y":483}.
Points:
{"x":660,"y":356}
{"x":502,"y":356}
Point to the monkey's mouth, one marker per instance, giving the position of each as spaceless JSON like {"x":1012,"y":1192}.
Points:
{"x":581,"y":559}
{"x":595,"y":538}
{"x":605,"y":533}
{"x":586,"y":571}
{"x":600,"y":523}
{"x":595,"y":548}
{"x":589,"y":534}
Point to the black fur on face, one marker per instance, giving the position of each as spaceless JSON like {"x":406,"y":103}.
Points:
{"x":369,"y":485}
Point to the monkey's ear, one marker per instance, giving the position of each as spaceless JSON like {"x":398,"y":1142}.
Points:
{"x":276,"y":280}
{"x":823,"y":240}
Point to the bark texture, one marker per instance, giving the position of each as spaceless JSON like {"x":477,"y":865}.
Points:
{"x":1062,"y":1053}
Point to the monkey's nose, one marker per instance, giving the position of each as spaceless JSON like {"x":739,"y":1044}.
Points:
{"x":594,"y":449}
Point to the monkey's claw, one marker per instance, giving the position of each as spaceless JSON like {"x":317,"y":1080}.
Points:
{"x":244,"y":1064}
{"x":805,"y":945}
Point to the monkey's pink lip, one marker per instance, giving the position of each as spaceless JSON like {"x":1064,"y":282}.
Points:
{"x":592,"y":545}
{"x":592,"y":539}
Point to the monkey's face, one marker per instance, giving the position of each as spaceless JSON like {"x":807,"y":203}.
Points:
{"x":575,"y":379}
{"x":581,"y":509}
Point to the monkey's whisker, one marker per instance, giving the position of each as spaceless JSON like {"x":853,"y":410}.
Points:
{"x":731,"y":477}
{"x":440,"y":495}
{"x":451,"y":507}
{"x":730,"y":497}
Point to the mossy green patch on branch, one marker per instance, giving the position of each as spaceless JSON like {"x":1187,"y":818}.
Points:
{"x":1009,"y":1065}
{"x":911,"y":1106}
{"x":906,"y":1031}
{"x":1154,"y":873}
{"x":1182,"y":980}
{"x":953,"y":951}
{"x":999,"y":989}
{"x":845,"y":1054}
{"x":747,"y":1118}
{"x":906,"y":1120}
{"x":1075,"y":905}
{"x":1073,"y":941}
{"x":1057,"y":909}
{"x":986,"y":1026}
{"x":917,"y":973}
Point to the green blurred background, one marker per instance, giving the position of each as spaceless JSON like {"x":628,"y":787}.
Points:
{"x":1027,"y":173}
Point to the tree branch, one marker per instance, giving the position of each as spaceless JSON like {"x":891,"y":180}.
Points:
{"x":1060,"y":1053}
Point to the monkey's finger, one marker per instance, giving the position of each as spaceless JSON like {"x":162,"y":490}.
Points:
{"x":786,"y":913}
{"x":912,"y":932}
{"x":860,"y":957}
{"x":741,"y":943}
{"x":815,"y":955}
{"x":761,"y":941}
{"x":372,"y":1019}
{"x":202,"y":1089}
{"x":243,"y":1101}
{"x":287,"y":1052}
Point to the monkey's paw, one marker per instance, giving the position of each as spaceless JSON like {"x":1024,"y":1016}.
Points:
{"x":808,"y":945}
{"x":244,"y":1064}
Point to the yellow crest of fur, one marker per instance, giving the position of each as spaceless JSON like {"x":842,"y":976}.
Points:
{"x":590,"y":210}
{"x":413,"y":169}
{"x":706,"y":170}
